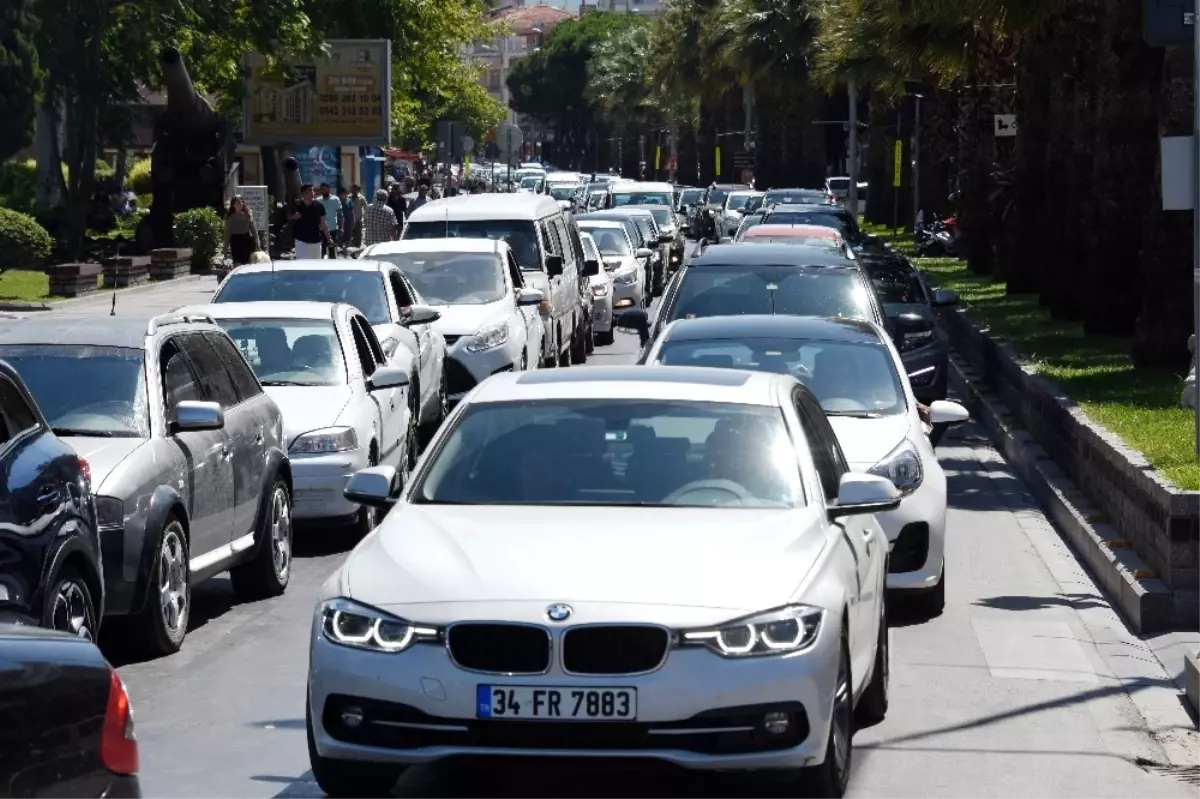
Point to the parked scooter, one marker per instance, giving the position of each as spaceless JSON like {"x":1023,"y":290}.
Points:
{"x":937,"y":240}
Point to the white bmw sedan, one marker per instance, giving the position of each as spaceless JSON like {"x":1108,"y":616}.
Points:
{"x":621,"y":262}
{"x":489,"y":317}
{"x":343,"y":408}
{"x":859,"y":379}
{"x":613,"y":562}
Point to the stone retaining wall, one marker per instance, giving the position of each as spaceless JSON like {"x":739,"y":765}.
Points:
{"x":1158,"y":520}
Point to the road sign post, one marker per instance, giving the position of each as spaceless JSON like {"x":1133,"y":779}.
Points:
{"x":897,"y":171}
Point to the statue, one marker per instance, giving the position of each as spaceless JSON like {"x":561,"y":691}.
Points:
{"x":193,"y":148}
{"x":1189,"y":397}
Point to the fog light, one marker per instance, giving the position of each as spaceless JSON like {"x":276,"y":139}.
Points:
{"x":776,"y":723}
{"x":353,"y":716}
{"x":625,"y":303}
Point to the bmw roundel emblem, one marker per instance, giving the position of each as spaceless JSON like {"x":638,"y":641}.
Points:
{"x":558,"y":612}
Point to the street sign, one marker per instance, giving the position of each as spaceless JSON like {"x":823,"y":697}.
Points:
{"x":898,"y":164}
{"x":468,"y":144}
{"x":717,"y":159}
{"x":255,"y":198}
{"x":1167,"y":23}
{"x":1006,"y":124}
{"x":508,"y":140}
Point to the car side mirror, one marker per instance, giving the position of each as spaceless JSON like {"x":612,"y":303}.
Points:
{"x":947,"y":412}
{"x":644,"y":252}
{"x":907,"y":323}
{"x":633,"y":320}
{"x":591,"y":267}
{"x":423,"y":315}
{"x":530,"y":297}
{"x":387,"y":377}
{"x":193,"y":416}
{"x":944,"y":297}
{"x":375,"y":487}
{"x":860,"y":494}
{"x":554,"y":265}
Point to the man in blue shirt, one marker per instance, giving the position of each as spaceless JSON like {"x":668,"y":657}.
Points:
{"x":333,"y":220}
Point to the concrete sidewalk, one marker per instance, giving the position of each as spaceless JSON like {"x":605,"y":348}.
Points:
{"x":146,"y":300}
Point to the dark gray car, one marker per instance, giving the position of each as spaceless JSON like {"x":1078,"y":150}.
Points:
{"x":187,"y":456}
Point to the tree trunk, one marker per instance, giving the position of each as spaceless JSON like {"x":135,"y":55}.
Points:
{"x":939,"y":113}
{"x":48,"y":149}
{"x":1165,"y":321}
{"x":1023,"y":272}
{"x":1128,"y":83}
{"x":978,"y":142}
{"x":878,"y":167}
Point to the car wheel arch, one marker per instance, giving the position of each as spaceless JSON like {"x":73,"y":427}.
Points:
{"x":73,"y":553}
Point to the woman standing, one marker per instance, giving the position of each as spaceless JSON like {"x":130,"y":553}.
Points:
{"x":241,"y":236}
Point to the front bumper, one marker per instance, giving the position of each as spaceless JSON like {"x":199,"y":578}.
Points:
{"x":927,"y":371}
{"x":465,"y":369}
{"x":628,"y":295}
{"x":602,"y":313}
{"x":698,"y":710}
{"x":318,"y":481}
{"x":916,"y":533}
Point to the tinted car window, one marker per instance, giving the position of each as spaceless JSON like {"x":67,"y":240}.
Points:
{"x":216,"y":379}
{"x":794,"y":197}
{"x":239,"y":372}
{"x":613,"y":452}
{"x":179,"y":381}
{"x":717,"y":196}
{"x":452,"y":278}
{"x":520,"y":235}
{"x":641,"y":198}
{"x":690,"y":196}
{"x":84,"y":390}
{"x":290,"y":352}
{"x":895,"y":283}
{"x":716,"y":290}
{"x":843,"y":223}
{"x":16,"y":414}
{"x":364,"y":290}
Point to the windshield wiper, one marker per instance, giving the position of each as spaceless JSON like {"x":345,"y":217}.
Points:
{"x":855,"y":414}
{"x":290,"y":383}
{"x":75,"y":431}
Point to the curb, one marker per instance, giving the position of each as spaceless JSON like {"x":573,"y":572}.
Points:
{"x":1191,"y":671}
{"x":1117,"y":568}
{"x":13,"y":306}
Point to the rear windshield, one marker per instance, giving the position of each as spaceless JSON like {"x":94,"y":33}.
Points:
{"x":518,"y":233}
{"x":364,"y":290}
{"x":717,"y":290}
{"x":895,"y":283}
{"x":839,"y":184}
{"x":794,"y":197}
{"x":641,"y":198}
{"x":843,"y":223}
{"x":691,"y":196}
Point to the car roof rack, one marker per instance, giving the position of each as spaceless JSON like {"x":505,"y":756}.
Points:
{"x":176,"y":319}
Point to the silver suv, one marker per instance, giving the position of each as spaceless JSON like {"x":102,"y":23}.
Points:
{"x":187,"y":458}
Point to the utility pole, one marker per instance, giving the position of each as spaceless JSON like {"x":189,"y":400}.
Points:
{"x":852,"y":197}
{"x":916,"y":159}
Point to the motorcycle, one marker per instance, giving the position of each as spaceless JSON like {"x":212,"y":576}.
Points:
{"x":937,"y":240}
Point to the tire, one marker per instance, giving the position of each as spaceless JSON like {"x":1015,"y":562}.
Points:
{"x":564,"y":358}
{"x":268,"y":572}
{"x":353,"y":779}
{"x":936,"y":434}
{"x":430,"y":428}
{"x":161,"y":627}
{"x":931,"y":603}
{"x":551,"y":361}
{"x":604,"y":338}
{"x":412,"y":436}
{"x":69,"y":607}
{"x":589,"y":338}
{"x":873,"y":704}
{"x":831,"y":777}
{"x":579,"y":346}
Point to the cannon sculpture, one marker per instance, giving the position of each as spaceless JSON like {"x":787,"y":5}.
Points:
{"x":193,"y":148}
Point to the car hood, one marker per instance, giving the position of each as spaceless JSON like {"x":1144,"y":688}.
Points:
{"x":307,"y":408}
{"x":464,"y":320}
{"x":739,"y":560}
{"x":865,"y":442}
{"x":102,"y":454}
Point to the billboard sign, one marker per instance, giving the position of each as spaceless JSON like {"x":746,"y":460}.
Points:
{"x":319,"y":164}
{"x":343,"y":100}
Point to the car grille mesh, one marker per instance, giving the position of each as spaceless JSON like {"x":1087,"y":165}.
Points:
{"x":616,"y":649}
{"x":500,"y":648}
{"x":458,"y":379}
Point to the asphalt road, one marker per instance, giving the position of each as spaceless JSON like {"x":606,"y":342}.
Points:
{"x":1010,"y":692}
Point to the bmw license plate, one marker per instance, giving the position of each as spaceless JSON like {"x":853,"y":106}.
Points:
{"x":519,"y":703}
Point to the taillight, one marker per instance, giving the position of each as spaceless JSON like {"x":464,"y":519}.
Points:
{"x":118,"y":744}
{"x":86,"y":470}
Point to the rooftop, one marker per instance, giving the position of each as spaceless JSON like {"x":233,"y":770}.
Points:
{"x":523,"y":19}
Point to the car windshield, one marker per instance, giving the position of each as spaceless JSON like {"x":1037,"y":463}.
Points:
{"x":895,"y":283}
{"x":662,"y":216}
{"x":518,"y":233}
{"x":610,"y":240}
{"x":843,"y":223}
{"x":452,"y":278}
{"x":839,"y":184}
{"x":691,"y":196}
{"x":785,"y":197}
{"x":362,"y":289}
{"x":654,"y":453}
{"x":646,"y":225}
{"x":717,"y":196}
{"x":715,"y":290}
{"x":738,"y":201}
{"x":754,"y":203}
{"x":531,"y":182}
{"x":563,"y":192}
{"x":642,"y":198}
{"x":590,"y":250}
{"x":290,"y":352}
{"x":85,"y":390}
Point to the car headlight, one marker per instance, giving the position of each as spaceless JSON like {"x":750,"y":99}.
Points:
{"x":625,"y":278}
{"x":325,"y":440}
{"x":600,"y":290}
{"x":774,"y":632}
{"x":902,"y":466}
{"x":489,"y":338}
{"x":362,"y":627}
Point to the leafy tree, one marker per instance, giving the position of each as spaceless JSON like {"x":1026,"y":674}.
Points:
{"x":20,"y":78}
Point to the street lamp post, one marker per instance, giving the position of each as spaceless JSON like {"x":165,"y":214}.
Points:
{"x":852,"y":196}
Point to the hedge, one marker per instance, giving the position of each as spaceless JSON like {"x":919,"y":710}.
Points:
{"x":203,"y":230}
{"x":24,"y":244}
{"x":138,"y":179}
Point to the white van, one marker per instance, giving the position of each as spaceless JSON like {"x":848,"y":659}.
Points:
{"x":630,"y":192}
{"x":545,"y":241}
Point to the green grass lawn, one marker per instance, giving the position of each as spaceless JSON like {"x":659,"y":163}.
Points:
{"x":1139,"y":405}
{"x":27,"y":285}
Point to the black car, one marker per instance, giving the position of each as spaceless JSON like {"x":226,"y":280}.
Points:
{"x":797,"y":197}
{"x":736,"y":279}
{"x":826,"y":216}
{"x":909,"y":304}
{"x":50,"y":565}
{"x":68,"y":725}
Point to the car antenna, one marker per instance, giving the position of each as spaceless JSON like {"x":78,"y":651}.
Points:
{"x":113,"y":310}
{"x":447,"y":210}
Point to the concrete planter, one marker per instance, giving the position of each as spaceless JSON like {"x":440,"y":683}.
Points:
{"x":126,"y":271}
{"x":170,"y":263}
{"x":73,"y":280}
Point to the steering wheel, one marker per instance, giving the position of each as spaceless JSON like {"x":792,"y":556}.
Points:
{"x":700,"y":487}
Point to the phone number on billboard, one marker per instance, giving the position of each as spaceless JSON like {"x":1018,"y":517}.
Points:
{"x":350,"y":110}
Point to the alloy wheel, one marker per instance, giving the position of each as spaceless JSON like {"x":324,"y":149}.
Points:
{"x":172,"y":580}
{"x":72,"y":612}
{"x":281,"y":533}
{"x":843,"y":718}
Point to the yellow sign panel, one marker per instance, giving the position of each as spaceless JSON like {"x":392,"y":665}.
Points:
{"x":657,"y":158}
{"x":717,"y":153}
{"x":898,"y":166}
{"x":467,"y":165}
{"x":343,"y":100}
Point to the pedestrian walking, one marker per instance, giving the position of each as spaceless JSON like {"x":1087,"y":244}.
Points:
{"x":359,"y":204}
{"x":333,"y":213}
{"x":397,"y":203}
{"x":241,"y":236}
{"x":346,"y":213}
{"x":308,"y":224}
{"x":379,"y":221}
{"x":422,"y":196}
